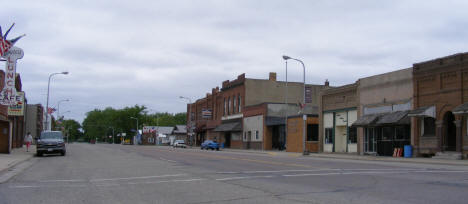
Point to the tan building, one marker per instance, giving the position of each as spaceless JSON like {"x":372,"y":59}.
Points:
{"x":384,"y":103}
{"x":439,"y":116}
{"x":338,"y":109}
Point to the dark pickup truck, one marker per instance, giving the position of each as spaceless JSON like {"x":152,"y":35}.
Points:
{"x":50,"y":142}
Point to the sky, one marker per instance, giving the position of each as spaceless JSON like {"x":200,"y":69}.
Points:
{"x":122,"y":53}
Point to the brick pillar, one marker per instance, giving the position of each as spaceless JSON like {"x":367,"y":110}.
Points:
{"x":459,"y":125}
{"x":439,"y":134}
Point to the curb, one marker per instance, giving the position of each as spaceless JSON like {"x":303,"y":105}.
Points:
{"x":14,"y":169}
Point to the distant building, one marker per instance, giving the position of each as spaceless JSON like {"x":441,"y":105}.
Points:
{"x":250,"y":113}
{"x":34,"y":116}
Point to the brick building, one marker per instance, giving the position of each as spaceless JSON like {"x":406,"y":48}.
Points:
{"x":250,"y":113}
{"x":11,"y":126}
{"x":440,"y":97}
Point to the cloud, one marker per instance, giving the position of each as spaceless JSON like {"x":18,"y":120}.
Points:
{"x":121,"y":53}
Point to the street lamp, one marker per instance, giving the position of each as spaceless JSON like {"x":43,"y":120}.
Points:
{"x":136,"y":124}
{"x":189,"y":122}
{"x":47,"y":104}
{"x":58,"y":107}
{"x":304,"y":116}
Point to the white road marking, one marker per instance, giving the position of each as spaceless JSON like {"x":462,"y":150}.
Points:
{"x":375,"y":172}
{"x":242,"y":177}
{"x":167,"y":181}
{"x":72,"y":180}
{"x":312,"y":170}
{"x":131,"y":178}
{"x":348,"y":172}
{"x":168,"y":160}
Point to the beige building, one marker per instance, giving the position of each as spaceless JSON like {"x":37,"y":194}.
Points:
{"x":338,"y":109}
{"x":384,"y":102}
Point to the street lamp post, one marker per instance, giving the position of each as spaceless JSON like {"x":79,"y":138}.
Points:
{"x":189,"y":122}
{"x":58,"y":107}
{"x":136,"y":124}
{"x":304,"y":116}
{"x":48,"y":89}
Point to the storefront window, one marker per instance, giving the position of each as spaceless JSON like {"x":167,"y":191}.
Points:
{"x":388,"y":133}
{"x":229,"y":106}
{"x":402,"y":133}
{"x":429,"y":126}
{"x":352,"y":135}
{"x":234,"y":106}
{"x":312,"y":132}
{"x":328,"y":135}
{"x":239,"y":103}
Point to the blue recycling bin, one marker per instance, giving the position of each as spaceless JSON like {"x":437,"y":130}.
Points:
{"x":408,"y":151}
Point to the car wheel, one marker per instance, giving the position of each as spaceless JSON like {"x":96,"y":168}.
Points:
{"x":39,"y":154}
{"x":63,"y":153}
{"x":201,"y":148}
{"x":217,"y":149}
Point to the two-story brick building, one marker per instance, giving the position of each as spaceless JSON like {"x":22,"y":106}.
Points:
{"x":250,"y":113}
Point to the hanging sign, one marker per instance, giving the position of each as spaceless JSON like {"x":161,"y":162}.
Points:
{"x":8,"y":95}
{"x":18,"y":109}
{"x":10,"y":54}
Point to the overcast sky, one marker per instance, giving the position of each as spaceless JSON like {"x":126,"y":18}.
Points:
{"x":122,"y":53}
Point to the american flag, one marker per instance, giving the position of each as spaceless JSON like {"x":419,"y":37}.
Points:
{"x":5,"y":44}
{"x":50,"y":110}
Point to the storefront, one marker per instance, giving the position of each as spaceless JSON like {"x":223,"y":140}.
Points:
{"x":385,"y":132}
{"x":340,"y":136}
{"x":339,"y":112}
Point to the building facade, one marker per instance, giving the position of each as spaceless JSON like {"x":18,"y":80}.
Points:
{"x":384,"y":103}
{"x":338,"y":113}
{"x":34,"y":113}
{"x":440,"y":91}
{"x":250,"y":113}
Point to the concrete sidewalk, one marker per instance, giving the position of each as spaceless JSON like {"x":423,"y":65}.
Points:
{"x":16,"y":156}
{"x":357,"y":157}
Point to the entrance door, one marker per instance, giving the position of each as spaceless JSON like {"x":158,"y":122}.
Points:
{"x":369,"y":140}
{"x":450,"y":135}
{"x":340,"y":138}
{"x":4,"y":137}
{"x":227,"y":139}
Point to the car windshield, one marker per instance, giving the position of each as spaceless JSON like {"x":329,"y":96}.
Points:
{"x":51,"y":135}
{"x":180,"y":141}
{"x":208,"y":141}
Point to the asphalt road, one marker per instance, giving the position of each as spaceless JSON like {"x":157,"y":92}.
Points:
{"x":104,"y":173}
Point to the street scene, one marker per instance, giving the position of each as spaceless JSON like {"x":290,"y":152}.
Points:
{"x":233,"y":101}
{"x":145,"y":174}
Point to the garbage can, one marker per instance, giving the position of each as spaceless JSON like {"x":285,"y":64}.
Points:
{"x":408,"y":151}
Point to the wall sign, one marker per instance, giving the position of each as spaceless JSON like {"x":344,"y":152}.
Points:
{"x":10,"y":54}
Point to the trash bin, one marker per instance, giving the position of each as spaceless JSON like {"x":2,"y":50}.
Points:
{"x":408,"y":152}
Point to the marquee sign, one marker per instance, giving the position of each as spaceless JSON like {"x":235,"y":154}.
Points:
{"x":10,"y":54}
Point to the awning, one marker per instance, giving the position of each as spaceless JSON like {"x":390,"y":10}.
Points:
{"x":270,"y":121}
{"x":229,"y":127}
{"x":398,"y":117}
{"x":461,"y":109}
{"x":366,"y":120}
{"x":428,"y":111}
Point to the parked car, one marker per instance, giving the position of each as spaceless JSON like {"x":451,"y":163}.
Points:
{"x":50,"y":142}
{"x":210,"y":144}
{"x":179,"y":143}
